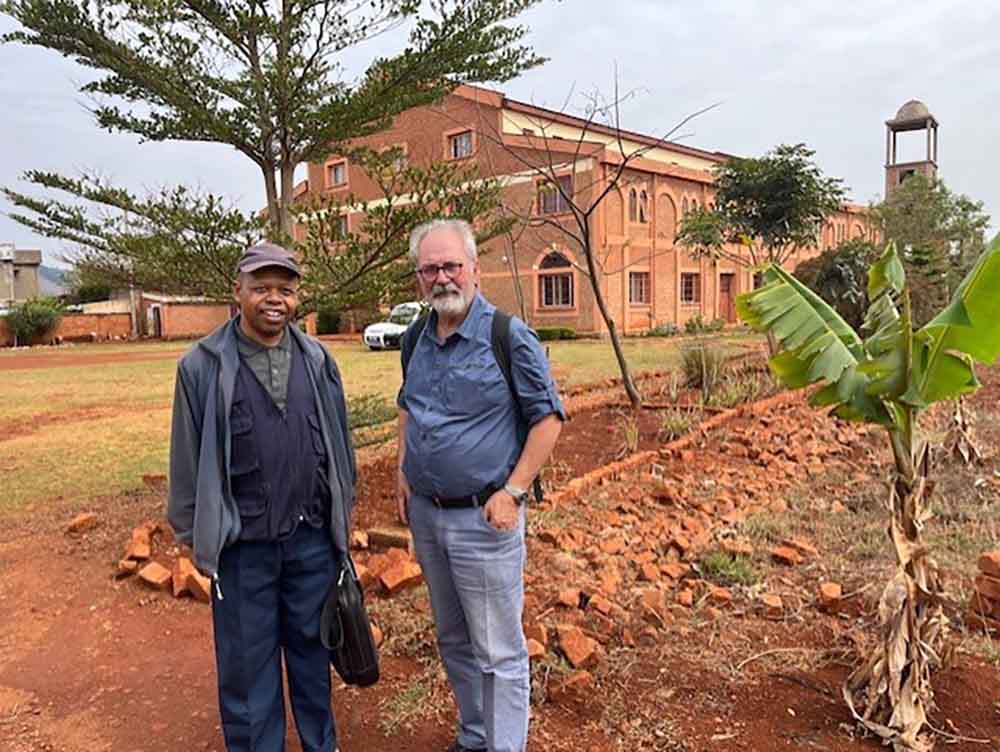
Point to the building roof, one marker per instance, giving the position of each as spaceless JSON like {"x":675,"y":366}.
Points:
{"x":913,"y":113}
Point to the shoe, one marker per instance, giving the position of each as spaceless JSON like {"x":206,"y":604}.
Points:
{"x":456,"y":747}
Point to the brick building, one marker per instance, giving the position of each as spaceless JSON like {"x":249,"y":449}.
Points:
{"x":648,"y":279}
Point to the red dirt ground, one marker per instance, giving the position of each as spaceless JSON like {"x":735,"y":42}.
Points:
{"x":90,"y":663}
{"x":20,"y":362}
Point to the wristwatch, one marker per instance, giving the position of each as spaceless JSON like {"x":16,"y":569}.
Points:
{"x":520,"y":495}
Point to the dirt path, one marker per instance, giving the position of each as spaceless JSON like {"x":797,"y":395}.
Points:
{"x":90,"y":664}
{"x":59,"y":360}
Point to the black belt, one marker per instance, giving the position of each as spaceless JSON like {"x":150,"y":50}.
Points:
{"x":465,"y":502}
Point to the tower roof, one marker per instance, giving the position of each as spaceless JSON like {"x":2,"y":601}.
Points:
{"x":914,"y":114}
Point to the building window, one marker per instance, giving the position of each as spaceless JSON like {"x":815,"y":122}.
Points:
{"x":690,"y":288}
{"x":552,"y":200}
{"x":633,"y":205}
{"x":555,"y":282}
{"x":758,"y":280}
{"x":342,"y":227}
{"x":336,"y":174}
{"x":643,"y":207}
{"x":638,"y":288}
{"x":684,"y":207}
{"x":460,"y":145}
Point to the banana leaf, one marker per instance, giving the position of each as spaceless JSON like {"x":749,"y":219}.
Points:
{"x":967,"y":331}
{"x":819,"y":345}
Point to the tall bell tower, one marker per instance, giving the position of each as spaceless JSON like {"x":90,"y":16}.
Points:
{"x":912,"y":116}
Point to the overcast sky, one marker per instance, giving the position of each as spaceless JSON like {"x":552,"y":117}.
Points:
{"x":827,"y":74}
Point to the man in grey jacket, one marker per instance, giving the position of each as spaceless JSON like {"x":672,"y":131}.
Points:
{"x":261,"y":487}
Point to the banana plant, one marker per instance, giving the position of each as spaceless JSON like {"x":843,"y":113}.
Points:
{"x":886,"y":375}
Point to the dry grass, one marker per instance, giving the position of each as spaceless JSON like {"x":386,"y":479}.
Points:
{"x":95,"y":429}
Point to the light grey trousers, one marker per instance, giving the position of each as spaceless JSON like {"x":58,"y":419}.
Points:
{"x":475,"y":575}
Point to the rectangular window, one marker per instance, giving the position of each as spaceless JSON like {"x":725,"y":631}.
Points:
{"x":336,"y":174}
{"x":556,"y":290}
{"x":551,"y":200}
{"x":638,"y":288}
{"x":341,"y":227}
{"x":460,"y":145}
{"x":690,"y":288}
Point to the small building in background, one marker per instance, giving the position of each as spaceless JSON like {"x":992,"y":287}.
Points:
{"x":180,"y":316}
{"x":18,"y":273}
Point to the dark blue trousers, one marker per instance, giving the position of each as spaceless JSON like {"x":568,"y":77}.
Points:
{"x":272,"y":596}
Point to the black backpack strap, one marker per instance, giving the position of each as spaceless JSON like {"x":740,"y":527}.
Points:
{"x":409,"y":341}
{"x":501,"y":344}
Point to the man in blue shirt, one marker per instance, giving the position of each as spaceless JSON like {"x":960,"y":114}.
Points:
{"x":464,"y":471}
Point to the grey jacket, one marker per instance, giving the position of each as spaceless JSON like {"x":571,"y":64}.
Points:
{"x":200,"y":506}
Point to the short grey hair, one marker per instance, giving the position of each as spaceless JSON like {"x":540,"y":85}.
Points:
{"x":459,"y":226}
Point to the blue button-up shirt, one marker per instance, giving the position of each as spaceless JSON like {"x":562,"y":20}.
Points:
{"x":462,"y":426}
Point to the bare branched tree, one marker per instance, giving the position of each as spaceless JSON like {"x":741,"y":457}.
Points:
{"x":577,"y":175}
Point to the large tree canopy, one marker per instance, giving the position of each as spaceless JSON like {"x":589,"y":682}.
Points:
{"x":770,"y":205}
{"x":267,"y":77}
{"x":940,"y":235}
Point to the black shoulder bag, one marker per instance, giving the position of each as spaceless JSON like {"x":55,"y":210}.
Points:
{"x":344,"y":627}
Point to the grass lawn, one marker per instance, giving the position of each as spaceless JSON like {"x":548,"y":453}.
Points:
{"x":79,"y":431}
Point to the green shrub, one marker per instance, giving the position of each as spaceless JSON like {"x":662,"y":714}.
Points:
{"x":736,"y":389}
{"x":675,"y":423}
{"x":327,"y":320}
{"x":548,"y":333}
{"x":725,"y":569}
{"x":663,"y":330}
{"x":702,"y":364}
{"x":695,"y":325}
{"x":34,"y":319}
{"x":717,"y":325}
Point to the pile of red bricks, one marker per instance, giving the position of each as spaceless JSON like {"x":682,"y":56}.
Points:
{"x":984,"y":606}
{"x":181,"y":579}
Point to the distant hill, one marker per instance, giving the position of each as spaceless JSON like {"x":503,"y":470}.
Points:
{"x":52,"y":281}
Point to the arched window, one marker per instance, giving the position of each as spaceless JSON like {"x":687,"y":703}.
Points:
{"x":643,"y":207}
{"x":555,"y":282}
{"x":684,"y":207}
{"x":633,"y":205}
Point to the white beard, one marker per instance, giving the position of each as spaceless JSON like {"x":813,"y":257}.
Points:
{"x":451,"y":303}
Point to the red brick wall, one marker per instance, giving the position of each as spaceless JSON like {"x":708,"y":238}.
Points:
{"x":81,"y":327}
{"x":192,"y":319}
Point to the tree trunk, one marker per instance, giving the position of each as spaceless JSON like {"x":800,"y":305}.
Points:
{"x":891,"y":692}
{"x":633,"y":394}
{"x":285,"y":205}
{"x":273,"y":203}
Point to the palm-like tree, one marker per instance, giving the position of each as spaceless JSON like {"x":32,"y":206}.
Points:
{"x":887,"y":377}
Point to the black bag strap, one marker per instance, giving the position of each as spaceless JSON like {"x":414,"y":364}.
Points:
{"x":501,"y":343}
{"x":409,"y":341}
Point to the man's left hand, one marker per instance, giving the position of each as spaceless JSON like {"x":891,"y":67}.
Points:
{"x":501,"y":511}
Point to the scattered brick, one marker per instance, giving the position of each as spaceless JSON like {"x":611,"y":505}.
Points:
{"x":139,"y":548}
{"x":580,"y":650}
{"x":649,"y":572}
{"x":183,"y":568}
{"x":575,"y":686}
{"x":200,"y":587}
{"x":988,"y":587}
{"x":601,"y":604}
{"x":391,"y":537}
{"x":359,"y":540}
{"x":786,"y":555}
{"x":803,"y":546}
{"x":535,"y":649}
{"x":126,"y":568}
{"x":685,"y":597}
{"x":569,"y":597}
{"x":829,"y":597}
{"x":538,"y":633}
{"x":989,"y":563}
{"x":401,"y":575}
{"x":736,"y":547}
{"x":82,"y":523}
{"x":719,"y":595}
{"x":772,"y":604}
{"x":155,"y":576}
{"x":377,"y":635}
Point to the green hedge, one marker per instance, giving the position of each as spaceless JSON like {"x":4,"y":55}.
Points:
{"x":547,"y":333}
{"x":327,"y":320}
{"x":34,"y":319}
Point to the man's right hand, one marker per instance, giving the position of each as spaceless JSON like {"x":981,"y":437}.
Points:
{"x":403,"y":498}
